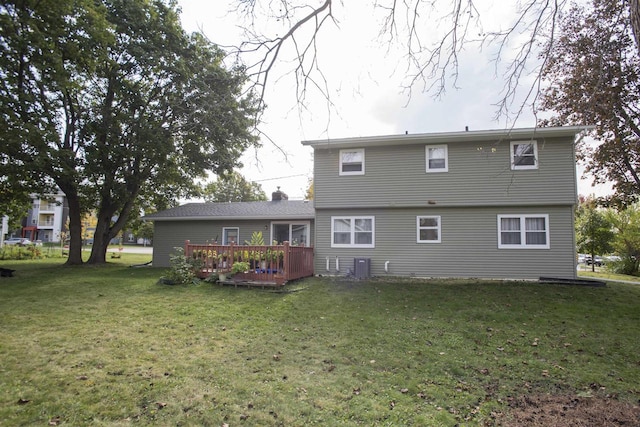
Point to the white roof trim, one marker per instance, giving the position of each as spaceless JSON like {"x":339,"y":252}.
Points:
{"x":229,"y":218}
{"x":446,"y":137}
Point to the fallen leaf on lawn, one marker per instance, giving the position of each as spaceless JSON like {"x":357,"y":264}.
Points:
{"x":484,"y":371}
{"x":421,"y":395}
{"x":545,"y":373}
{"x":392,"y":404}
{"x":82,"y":377}
{"x":404,"y":390}
{"x":276,"y":357}
{"x":161,"y":405}
{"x":244,"y":416}
{"x":54,"y":421}
{"x":356,"y":391}
{"x":22,"y":401}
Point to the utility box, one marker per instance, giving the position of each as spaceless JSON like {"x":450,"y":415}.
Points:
{"x":362,"y":268}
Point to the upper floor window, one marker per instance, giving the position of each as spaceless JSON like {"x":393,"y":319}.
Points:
{"x":524,"y":155}
{"x":523,"y":231}
{"x":428,"y":229}
{"x":352,"y":162}
{"x":352,"y":232}
{"x":437,"y":158}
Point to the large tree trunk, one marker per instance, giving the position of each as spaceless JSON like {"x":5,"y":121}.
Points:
{"x":75,"y":225}
{"x":101,"y":240}
{"x":105,"y":231}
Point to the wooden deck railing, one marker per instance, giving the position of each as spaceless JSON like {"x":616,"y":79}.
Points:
{"x":267,"y":264}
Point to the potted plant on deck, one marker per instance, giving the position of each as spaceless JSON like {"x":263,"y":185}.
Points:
{"x":237,"y":267}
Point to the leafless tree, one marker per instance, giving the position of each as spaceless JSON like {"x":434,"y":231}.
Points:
{"x":433,"y":34}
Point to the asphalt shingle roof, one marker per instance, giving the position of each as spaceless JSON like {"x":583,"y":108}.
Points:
{"x":281,"y":209}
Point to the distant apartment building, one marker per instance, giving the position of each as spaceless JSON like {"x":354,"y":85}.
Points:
{"x":46,"y":219}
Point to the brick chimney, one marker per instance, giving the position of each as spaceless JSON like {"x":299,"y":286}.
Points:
{"x":279,"y":195}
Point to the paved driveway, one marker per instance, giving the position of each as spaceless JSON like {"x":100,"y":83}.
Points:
{"x":134,"y":249}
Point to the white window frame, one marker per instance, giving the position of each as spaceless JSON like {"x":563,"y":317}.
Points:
{"x":225,"y":236}
{"x":446,"y":158}
{"x":438,"y":228}
{"x":523,"y":232}
{"x":307,"y":224}
{"x":352,"y":231}
{"x":355,"y":150}
{"x":512,"y":155}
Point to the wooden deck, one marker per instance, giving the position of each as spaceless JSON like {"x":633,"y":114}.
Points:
{"x":271,"y":266}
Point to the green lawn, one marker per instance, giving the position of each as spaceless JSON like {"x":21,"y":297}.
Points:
{"x":602,"y":273}
{"x":108,"y":346}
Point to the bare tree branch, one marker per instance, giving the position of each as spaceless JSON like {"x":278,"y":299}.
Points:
{"x":269,"y":50}
{"x":434,"y":35}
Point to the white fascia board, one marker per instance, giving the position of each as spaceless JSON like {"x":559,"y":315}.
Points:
{"x":230,"y":218}
{"x":449,"y":137}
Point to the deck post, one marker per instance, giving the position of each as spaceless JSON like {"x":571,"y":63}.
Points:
{"x":186,"y":247}
{"x":285,"y":261}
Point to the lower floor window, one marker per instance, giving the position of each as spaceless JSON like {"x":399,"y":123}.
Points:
{"x":296,"y":233}
{"x":428,"y":229}
{"x":523,"y":231}
{"x":230,"y":235}
{"x":352,"y":232}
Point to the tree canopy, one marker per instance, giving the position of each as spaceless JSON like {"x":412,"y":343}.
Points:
{"x":594,"y":235}
{"x":116,"y":105}
{"x":625,"y":226}
{"x":593,"y":78}
{"x":233,"y":187}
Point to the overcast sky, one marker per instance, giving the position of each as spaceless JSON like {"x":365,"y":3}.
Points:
{"x":364,"y":80}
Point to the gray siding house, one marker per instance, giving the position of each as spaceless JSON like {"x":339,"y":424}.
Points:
{"x":475,"y":204}
{"x":223,"y":223}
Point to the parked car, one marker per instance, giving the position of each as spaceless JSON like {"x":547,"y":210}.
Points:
{"x":598,"y":261}
{"x":17,"y":241}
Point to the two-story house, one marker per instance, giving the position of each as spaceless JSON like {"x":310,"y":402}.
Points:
{"x":484,"y":204}
{"x":479,"y":204}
